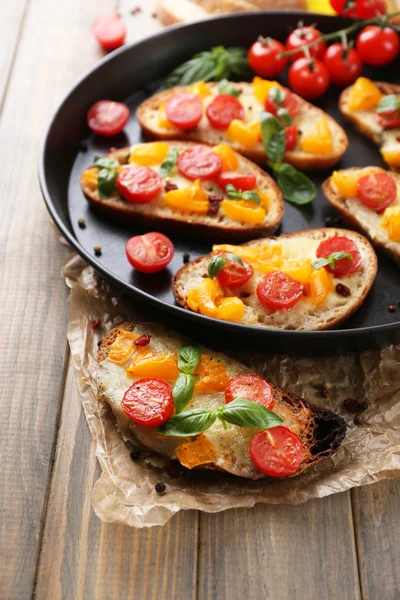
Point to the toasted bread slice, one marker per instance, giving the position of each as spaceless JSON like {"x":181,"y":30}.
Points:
{"x":304,"y":315}
{"x":363,"y":218}
{"x":148,"y":117}
{"x":320,"y":430}
{"x":157,"y":215}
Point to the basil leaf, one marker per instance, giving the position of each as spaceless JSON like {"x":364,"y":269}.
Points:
{"x":105,"y":163}
{"x":107,"y":177}
{"x":277,"y":95}
{"x":252,"y":196}
{"x":270,"y":126}
{"x":188,"y":358}
{"x":224,"y":87}
{"x":277,"y":146}
{"x":232,"y":193}
{"x":245,"y":413}
{"x":216,"y":265}
{"x":235,"y":258}
{"x":330,"y":260}
{"x":388,"y":103}
{"x":295,"y":186}
{"x":284,"y":116}
{"x":169,"y":163}
{"x":191,"y":422}
{"x":183,"y":391}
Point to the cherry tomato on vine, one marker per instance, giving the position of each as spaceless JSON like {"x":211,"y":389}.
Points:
{"x":305,"y":35}
{"x":377,"y":45}
{"x":360,"y":9}
{"x":309,"y":78}
{"x":344,"y":65}
{"x":109,"y":31}
{"x":264,"y":57}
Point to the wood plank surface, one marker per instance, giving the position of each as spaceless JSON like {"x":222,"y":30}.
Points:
{"x":11,"y":19}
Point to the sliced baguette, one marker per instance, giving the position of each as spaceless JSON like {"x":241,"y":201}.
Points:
{"x":364,"y":219}
{"x":161,"y":217}
{"x":304,"y":315}
{"x":320,"y":430}
{"x":147,"y":115}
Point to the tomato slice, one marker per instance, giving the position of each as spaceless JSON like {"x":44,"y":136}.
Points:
{"x":377,"y":191}
{"x":241,"y":181}
{"x":234,"y":274}
{"x":199,"y":162}
{"x":223,"y":110}
{"x":277,"y":290}
{"x":290,"y":103}
{"x":184,"y":110}
{"x":139,"y":184}
{"x":250,"y":387}
{"x":292,"y":135}
{"x":338,"y":243}
{"x":389,"y":119}
{"x":109,"y":31}
{"x":277,"y":452}
{"x":107,"y":117}
{"x":149,"y":253}
{"x":148,"y":402}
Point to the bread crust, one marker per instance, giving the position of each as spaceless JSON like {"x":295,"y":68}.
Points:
{"x":196,"y":225}
{"x":370,"y":274}
{"x":300,"y":160}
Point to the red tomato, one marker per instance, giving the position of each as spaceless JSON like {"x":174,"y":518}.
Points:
{"x":107,"y":117}
{"x":337,"y":243}
{"x":291,"y":103}
{"x":277,"y":290}
{"x":264,"y":57}
{"x":292,"y":135}
{"x":184,"y":110}
{"x":109,"y":31}
{"x":309,"y":79}
{"x":377,"y":46}
{"x":344,"y":67}
{"x":148,"y":402}
{"x":250,"y":387}
{"x":234,"y":274}
{"x":389,"y":119}
{"x":277,"y":452}
{"x":139,"y":184}
{"x":149,"y":253}
{"x":199,"y":162}
{"x":305,"y":35}
{"x":223,"y":109}
{"x":362,"y":9}
{"x":241,"y":181}
{"x":377,"y":191}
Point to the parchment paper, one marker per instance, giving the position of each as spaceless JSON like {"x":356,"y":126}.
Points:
{"x":125,"y":491}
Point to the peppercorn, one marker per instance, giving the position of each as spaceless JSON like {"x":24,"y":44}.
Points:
{"x":135,"y":454}
{"x":391,"y":308}
{"x":342,"y":290}
{"x":82,"y":223}
{"x":186,"y":257}
{"x":154,"y":15}
{"x":95,"y":324}
{"x":213,"y":209}
{"x":357,"y":420}
{"x":99,"y":343}
{"x":168,"y":187}
{"x":160,"y":487}
{"x":355,"y":406}
{"x":97,"y":250}
{"x":143,"y":340}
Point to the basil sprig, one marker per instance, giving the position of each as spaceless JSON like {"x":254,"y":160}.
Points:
{"x":224,"y":87}
{"x":107,"y":177}
{"x":330,"y":260}
{"x":169,"y":163}
{"x":218,"y":261}
{"x":240,"y":411}
{"x":234,"y":194}
{"x":388,"y":103}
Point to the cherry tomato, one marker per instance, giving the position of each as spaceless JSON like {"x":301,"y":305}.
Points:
{"x":389,"y":119}
{"x":360,"y":9}
{"x":305,"y":35}
{"x":241,"y":181}
{"x":277,"y":452}
{"x":148,"y":402}
{"x":377,"y":191}
{"x":109,"y":31}
{"x":234,"y":274}
{"x":107,"y":117}
{"x":309,"y":79}
{"x":377,"y":45}
{"x":149,"y":253}
{"x":223,"y":109}
{"x":292,"y":135}
{"x":277,"y":290}
{"x":264,"y":57}
{"x":184,"y":110}
{"x":344,"y":66}
{"x":250,"y":387}
{"x":199,"y":162}
{"x":139,"y":184}
{"x":290,"y":102}
{"x":338,"y":243}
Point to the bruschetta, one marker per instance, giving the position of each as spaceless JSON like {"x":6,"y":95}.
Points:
{"x":309,"y":280}
{"x":206,"y":410}
{"x":229,"y":113}
{"x":196,"y":189}
{"x":369,"y":199}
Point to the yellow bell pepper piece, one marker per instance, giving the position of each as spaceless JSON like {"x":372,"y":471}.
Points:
{"x":212,"y":375}
{"x":152,"y":153}
{"x":89,"y":178}
{"x":265,"y":200}
{"x":391,"y":222}
{"x":391,"y":157}
{"x":243,"y":211}
{"x":263,"y":258}
{"x":300,"y":270}
{"x":208,"y":299}
{"x":161,"y":366}
{"x":199,"y":452}
{"x":246,"y":134}
{"x":200,"y":88}
{"x":163,"y":120}
{"x":230,"y":160}
{"x":346,"y":181}
{"x":363,"y":95}
{"x":262,"y":87}
{"x":321,"y":284}
{"x":190,"y":199}
{"x":123,"y":346}
{"x":321,"y":142}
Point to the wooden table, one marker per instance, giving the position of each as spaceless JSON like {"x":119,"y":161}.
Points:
{"x":52,"y":544}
